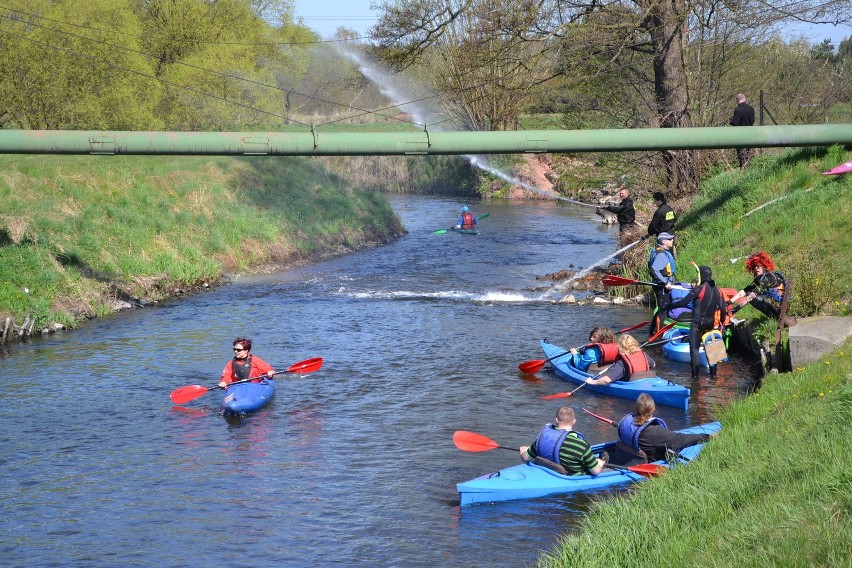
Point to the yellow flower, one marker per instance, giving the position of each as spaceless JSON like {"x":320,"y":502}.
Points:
{"x":822,"y":394}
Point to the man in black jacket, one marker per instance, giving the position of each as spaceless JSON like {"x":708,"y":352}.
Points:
{"x":743,"y":116}
{"x":664,"y":217}
{"x":624,"y":211}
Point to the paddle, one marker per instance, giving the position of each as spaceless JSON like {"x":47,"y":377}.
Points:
{"x":533,"y":366}
{"x":601,"y":418}
{"x":442,"y":231}
{"x":473,"y":442}
{"x":661,"y":331}
{"x":191,"y":392}
{"x":613,"y":280}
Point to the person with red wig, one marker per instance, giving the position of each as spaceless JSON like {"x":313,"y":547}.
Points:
{"x":767,"y":290}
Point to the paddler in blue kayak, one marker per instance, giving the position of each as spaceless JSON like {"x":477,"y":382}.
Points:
{"x":646,"y":438}
{"x":632,"y":363}
{"x":560,"y":448}
{"x":466,"y":219}
{"x":601,"y":350}
{"x":244,"y":365}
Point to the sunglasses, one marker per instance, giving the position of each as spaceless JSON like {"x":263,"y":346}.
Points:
{"x":240,"y":349}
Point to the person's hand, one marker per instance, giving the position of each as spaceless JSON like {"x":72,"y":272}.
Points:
{"x":270,"y":373}
{"x":458,"y":226}
{"x":669,"y":286}
{"x":222,"y":384}
{"x":590,"y":381}
{"x":572,"y":351}
{"x":523,"y":450}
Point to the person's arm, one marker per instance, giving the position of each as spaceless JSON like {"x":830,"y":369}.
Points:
{"x":261,"y":367}
{"x":527,"y":453}
{"x":651,"y":363}
{"x":654,"y":227}
{"x":690,"y":296}
{"x":585,"y":357}
{"x":590,"y":463}
{"x":614,"y":373}
{"x":226,"y":377}
{"x":659,"y":437}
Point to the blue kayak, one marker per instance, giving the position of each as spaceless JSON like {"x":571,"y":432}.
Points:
{"x":677,"y":348}
{"x":467,"y":231}
{"x":247,"y":397}
{"x":661,"y":390}
{"x":528,"y":481}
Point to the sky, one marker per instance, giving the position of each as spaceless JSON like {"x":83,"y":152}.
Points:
{"x":325,"y":16}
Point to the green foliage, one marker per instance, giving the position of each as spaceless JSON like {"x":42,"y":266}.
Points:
{"x":77,"y":230}
{"x":770,"y":490}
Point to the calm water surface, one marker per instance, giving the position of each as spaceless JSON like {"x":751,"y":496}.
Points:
{"x":350,"y":466}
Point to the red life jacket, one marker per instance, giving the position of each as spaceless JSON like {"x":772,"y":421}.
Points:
{"x":467,"y":221}
{"x":635,"y":362}
{"x":609,"y":352}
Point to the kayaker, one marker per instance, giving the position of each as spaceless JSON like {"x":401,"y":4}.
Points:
{"x":244,"y":365}
{"x":708,"y":313}
{"x":601,"y":349}
{"x":559,"y":445}
{"x":661,"y":265}
{"x":632,"y":363}
{"x":466,"y":219}
{"x":664,"y":217}
{"x":642,"y":431}
{"x":767,"y":290}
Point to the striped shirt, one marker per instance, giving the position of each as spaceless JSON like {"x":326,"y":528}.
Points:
{"x":575,"y":455}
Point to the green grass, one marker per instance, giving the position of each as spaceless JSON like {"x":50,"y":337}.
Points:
{"x":772,"y":489}
{"x":79,"y":231}
{"x":808,"y":231}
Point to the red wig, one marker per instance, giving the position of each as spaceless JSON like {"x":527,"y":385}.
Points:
{"x":759,"y":259}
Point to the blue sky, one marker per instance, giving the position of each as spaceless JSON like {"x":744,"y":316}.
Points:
{"x":325,"y":16}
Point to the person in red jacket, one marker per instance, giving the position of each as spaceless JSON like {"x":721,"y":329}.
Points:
{"x":244,"y":365}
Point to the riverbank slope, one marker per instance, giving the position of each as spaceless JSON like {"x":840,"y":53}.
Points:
{"x":772,"y":488}
{"x":82,"y":237}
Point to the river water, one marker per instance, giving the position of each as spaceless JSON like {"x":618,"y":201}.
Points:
{"x":353,"y":465}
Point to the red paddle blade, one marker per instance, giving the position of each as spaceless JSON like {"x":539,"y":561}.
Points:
{"x":532,"y":367}
{"x":306,"y":366}
{"x":661,"y":331}
{"x":557,"y":395}
{"x":601,"y":418}
{"x":473,"y":442}
{"x":187,"y":393}
{"x":613,"y":280}
{"x":648,"y":469}
{"x":631,"y":328}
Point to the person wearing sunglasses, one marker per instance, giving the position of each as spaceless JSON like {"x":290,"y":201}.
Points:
{"x":244,"y":365}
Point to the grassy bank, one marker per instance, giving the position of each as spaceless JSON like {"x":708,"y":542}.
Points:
{"x":781,"y":204}
{"x":773,"y":488}
{"x":78,"y":233}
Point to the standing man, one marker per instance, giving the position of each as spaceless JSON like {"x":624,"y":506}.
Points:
{"x":662,"y":267}
{"x":624,"y":211}
{"x":664,"y":217}
{"x":743,"y":116}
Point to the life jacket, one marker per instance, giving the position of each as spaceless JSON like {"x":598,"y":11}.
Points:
{"x":467,"y":221}
{"x":669,"y":269}
{"x":634,"y":363}
{"x":710,"y":309}
{"x":550,"y":440}
{"x":241,"y":371}
{"x":609,"y":352}
{"x":629,"y":432}
{"x":773,"y":282}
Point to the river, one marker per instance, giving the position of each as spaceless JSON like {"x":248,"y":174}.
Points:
{"x":353,"y":465}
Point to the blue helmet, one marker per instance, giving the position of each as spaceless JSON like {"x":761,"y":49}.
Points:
{"x":465,"y":209}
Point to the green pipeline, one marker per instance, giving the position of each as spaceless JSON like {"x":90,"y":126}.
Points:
{"x":322,"y":143}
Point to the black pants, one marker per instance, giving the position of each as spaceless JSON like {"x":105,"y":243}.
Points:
{"x":766,"y":307}
{"x":662,"y":297}
{"x":695,"y":333}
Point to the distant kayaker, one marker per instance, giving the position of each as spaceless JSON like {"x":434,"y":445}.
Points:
{"x":625,"y":213}
{"x":244,"y":365}
{"x":661,"y":265}
{"x":466,"y":219}
{"x":601,"y":349}
{"x":643,"y":431}
{"x":559,"y":445}
{"x":664,"y":217}
{"x":767,"y":291}
{"x":708,"y":313}
{"x":631,"y":363}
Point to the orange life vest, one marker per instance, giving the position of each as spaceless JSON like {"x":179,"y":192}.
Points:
{"x":635,"y":362}
{"x":609,"y":352}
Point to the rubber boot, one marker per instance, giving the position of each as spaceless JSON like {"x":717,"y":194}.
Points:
{"x":695,"y":369}
{"x":713,"y":372}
